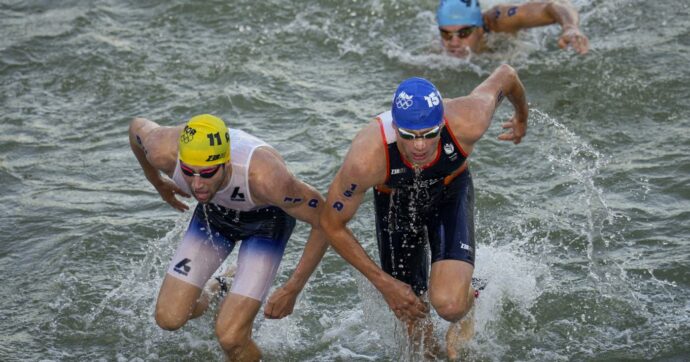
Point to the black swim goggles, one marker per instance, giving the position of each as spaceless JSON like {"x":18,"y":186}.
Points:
{"x":205,"y":173}
{"x":432,"y":133}
{"x":460,"y":33}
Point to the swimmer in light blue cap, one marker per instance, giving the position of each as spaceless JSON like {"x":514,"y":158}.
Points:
{"x":463,"y":25}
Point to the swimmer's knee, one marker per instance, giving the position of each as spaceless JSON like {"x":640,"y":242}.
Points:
{"x":452,"y":312}
{"x":177,"y":300}
{"x":170,"y":319}
{"x":231,"y":340}
{"x":451,"y":309}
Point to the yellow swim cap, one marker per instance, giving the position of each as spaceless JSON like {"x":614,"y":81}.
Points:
{"x":205,"y":141}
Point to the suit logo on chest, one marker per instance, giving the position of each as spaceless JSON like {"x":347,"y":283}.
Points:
{"x":237,"y":195}
{"x":449,"y":149}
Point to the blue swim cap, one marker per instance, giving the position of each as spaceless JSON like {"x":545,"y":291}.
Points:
{"x":459,"y":12}
{"x":417,"y":104}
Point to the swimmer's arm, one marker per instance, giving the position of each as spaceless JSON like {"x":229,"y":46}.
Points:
{"x":274,"y":184}
{"x":345,"y":194}
{"x":364,"y":167}
{"x":471,"y":115}
{"x":155,"y":148}
{"x":511,"y":18}
{"x":282,"y":301}
{"x":303,"y":202}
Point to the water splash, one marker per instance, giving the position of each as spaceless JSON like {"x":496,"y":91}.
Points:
{"x":582,"y":237}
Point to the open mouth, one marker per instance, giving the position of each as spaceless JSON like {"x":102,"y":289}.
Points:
{"x":459,"y":52}
{"x":201,"y":196}
{"x":418,"y":156}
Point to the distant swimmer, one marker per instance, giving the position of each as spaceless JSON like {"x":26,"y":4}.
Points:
{"x":462,"y":24}
{"x":415,"y":159}
{"x":246,"y":194}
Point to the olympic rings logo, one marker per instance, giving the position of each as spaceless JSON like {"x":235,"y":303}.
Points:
{"x":187,"y":135}
{"x":403,"y":101}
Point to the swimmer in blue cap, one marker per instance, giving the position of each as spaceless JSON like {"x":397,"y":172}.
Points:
{"x":415,"y":157}
{"x":463,"y":25}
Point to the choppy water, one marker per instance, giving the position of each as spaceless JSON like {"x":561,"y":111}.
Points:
{"x":582,"y":228}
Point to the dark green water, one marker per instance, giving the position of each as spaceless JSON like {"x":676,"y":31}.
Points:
{"x":582,"y":228}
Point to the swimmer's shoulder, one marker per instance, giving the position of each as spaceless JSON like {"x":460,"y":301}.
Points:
{"x":367,"y":158}
{"x":160,"y":145}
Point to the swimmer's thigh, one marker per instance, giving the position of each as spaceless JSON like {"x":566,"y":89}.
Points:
{"x":453,"y":251}
{"x":257,"y":265}
{"x":197,"y":257}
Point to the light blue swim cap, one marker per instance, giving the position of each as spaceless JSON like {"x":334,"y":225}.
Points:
{"x":459,"y":12}
{"x":417,"y":104}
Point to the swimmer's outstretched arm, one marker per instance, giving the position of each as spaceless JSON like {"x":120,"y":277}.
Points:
{"x":511,"y":18}
{"x":470,"y":116}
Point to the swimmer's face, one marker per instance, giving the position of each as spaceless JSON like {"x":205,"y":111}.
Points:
{"x":460,"y":40}
{"x":204,"y":181}
{"x":419,"y":146}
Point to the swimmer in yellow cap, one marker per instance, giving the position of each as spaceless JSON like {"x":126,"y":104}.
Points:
{"x":246,"y":193}
{"x":210,"y":147}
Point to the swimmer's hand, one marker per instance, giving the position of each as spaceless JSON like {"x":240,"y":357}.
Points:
{"x":168,"y":189}
{"x":515,"y":130}
{"x":573,"y":37}
{"x":281,"y":303}
{"x":403,"y":302}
